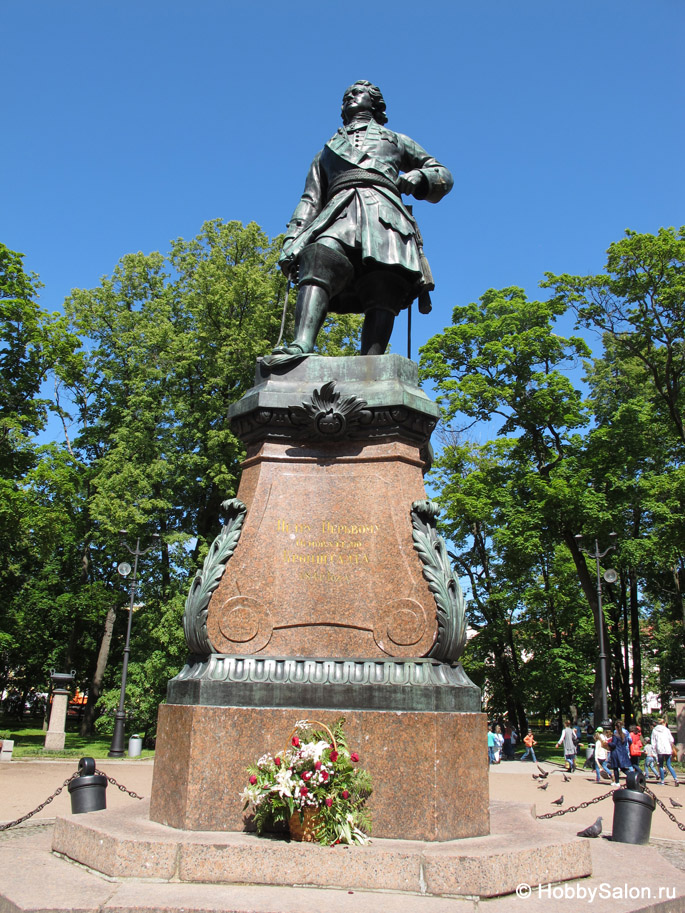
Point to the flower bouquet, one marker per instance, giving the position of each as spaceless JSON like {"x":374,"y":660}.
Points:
{"x":313,"y":786}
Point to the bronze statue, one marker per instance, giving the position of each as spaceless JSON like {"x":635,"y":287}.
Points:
{"x":352,"y":244}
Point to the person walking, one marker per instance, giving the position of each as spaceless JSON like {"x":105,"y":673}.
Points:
{"x":506,"y":747}
{"x":568,"y":737}
{"x":636,"y":747}
{"x":499,"y":742}
{"x":492,"y":744}
{"x":651,"y":760}
{"x":601,"y":769}
{"x":529,"y":742}
{"x":619,"y":751}
{"x":663,"y":743}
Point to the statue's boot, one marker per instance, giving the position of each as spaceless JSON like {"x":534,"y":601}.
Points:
{"x":310,"y":313}
{"x":383,"y":294}
{"x":323,"y":271}
{"x":376,"y":331}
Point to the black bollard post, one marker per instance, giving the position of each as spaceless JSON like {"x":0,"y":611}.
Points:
{"x":87,"y":791}
{"x":633,"y":810}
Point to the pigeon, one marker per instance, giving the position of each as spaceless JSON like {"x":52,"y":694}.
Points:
{"x":593,"y":831}
{"x":543,"y":773}
{"x":544,"y":786}
{"x":675,"y":804}
{"x":559,"y":801}
{"x":566,"y":779}
{"x":535,"y":776}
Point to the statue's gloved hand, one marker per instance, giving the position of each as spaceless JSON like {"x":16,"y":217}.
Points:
{"x":413,"y":182}
{"x":287,"y":261}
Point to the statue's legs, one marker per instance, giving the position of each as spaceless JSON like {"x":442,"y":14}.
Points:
{"x":323,"y":271}
{"x":383,"y":294}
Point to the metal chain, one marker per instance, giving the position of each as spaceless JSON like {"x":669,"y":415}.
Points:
{"x":574,"y":808}
{"x":663,"y":807}
{"x":118,"y":785}
{"x":74,"y":776}
{"x":4,"y":827}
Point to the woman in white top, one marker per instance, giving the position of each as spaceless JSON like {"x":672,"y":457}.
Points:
{"x":601,"y":756}
{"x":662,"y":742}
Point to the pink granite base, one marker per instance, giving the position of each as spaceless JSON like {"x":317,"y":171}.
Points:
{"x":429,"y":769}
{"x":126,"y":844}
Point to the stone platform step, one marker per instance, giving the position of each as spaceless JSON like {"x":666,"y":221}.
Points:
{"x":625,"y":879}
{"x":126,"y":844}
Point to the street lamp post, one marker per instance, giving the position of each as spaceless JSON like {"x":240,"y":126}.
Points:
{"x":605,"y":721}
{"x":116,"y":749}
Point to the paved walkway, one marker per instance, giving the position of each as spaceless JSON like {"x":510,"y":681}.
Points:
{"x":513,"y":781}
{"x":27,"y":861}
{"x":24,"y":784}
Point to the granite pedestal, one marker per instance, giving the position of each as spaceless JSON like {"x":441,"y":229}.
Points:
{"x":329,"y":594}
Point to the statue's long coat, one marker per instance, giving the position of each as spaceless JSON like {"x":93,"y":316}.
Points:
{"x":374,"y":219}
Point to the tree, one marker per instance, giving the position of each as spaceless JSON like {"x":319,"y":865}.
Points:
{"x":514,"y":498}
{"x":31,"y":342}
{"x":640,"y":303}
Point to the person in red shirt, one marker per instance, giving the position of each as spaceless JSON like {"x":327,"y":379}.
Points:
{"x":636,"y":746}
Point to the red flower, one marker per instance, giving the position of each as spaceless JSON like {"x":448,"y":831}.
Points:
{"x":329,"y":802}
{"x":296,"y":741}
{"x":354,"y":756}
{"x":345,"y":794}
{"x":324,"y":775}
{"x":277,"y":762}
{"x":307,"y":775}
{"x":317,"y":765}
{"x":334,"y":755}
{"x":303,"y":790}
{"x":253,"y":779}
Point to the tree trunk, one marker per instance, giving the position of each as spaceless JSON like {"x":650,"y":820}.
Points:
{"x":95,"y":689}
{"x":589,"y":586}
{"x":636,"y":645}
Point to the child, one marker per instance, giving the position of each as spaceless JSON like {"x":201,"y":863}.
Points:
{"x":529,"y":741}
{"x":650,"y":760}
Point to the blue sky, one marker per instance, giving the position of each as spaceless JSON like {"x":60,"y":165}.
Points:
{"x":127,"y":124}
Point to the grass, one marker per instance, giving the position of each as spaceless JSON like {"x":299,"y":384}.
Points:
{"x":29,"y":740}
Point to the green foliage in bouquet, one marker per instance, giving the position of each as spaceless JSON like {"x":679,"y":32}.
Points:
{"x":316,"y":773}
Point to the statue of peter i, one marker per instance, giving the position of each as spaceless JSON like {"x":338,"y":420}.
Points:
{"x":352,"y":243}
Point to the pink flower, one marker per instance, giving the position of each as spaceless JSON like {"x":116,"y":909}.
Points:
{"x":317,"y":765}
{"x":324,"y":775}
{"x":329,"y":802}
{"x":354,"y":756}
{"x":345,"y":794}
{"x":303,"y":790}
{"x":296,"y":741}
{"x":334,"y":755}
{"x":253,"y":779}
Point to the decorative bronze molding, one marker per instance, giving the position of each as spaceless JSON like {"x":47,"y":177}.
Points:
{"x":364,"y":684}
{"x":326,"y":419}
{"x":207,"y":580}
{"x":329,"y":415}
{"x":449,"y":599}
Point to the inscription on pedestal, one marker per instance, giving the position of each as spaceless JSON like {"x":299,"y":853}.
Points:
{"x":326,"y":550}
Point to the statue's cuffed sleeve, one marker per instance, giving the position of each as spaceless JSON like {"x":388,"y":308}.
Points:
{"x":438,"y":179}
{"x":311,"y":202}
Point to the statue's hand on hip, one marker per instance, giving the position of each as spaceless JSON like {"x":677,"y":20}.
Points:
{"x":413,"y":182}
